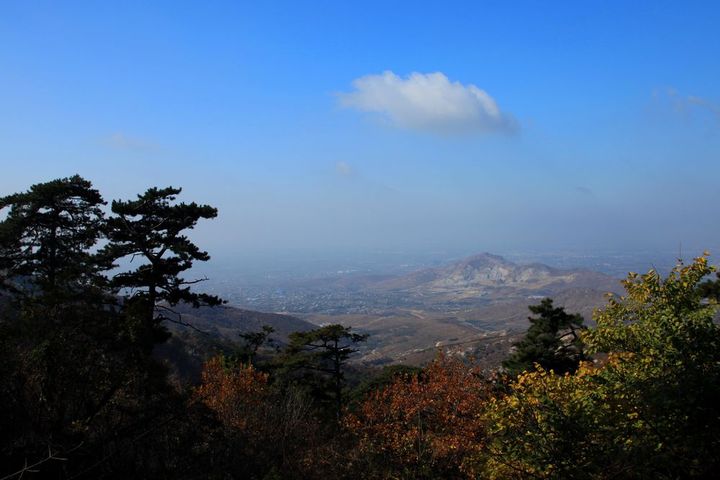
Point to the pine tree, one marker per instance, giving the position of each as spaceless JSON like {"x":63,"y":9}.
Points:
{"x":253,"y":342}
{"x":47,"y":240}
{"x":320,"y":356}
{"x":552,"y":341}
{"x":151,"y":228}
{"x":60,"y":346}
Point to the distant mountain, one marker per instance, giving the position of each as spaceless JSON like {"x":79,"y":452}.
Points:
{"x":494,"y":277}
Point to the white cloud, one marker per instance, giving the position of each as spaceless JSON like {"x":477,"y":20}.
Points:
{"x":428,"y":102}
{"x":121,"y":141}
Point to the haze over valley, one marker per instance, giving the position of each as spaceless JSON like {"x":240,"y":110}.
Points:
{"x":413,"y":305}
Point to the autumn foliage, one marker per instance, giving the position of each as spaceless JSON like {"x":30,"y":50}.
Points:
{"x":424,"y":425}
{"x":235,"y":392}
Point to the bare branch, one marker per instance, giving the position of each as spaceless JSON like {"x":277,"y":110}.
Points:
{"x":51,"y":456}
{"x":178,"y":320}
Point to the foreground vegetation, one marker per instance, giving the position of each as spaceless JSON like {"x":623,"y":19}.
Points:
{"x":82,"y":396}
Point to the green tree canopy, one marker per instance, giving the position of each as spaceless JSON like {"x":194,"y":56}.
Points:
{"x":552,"y":341}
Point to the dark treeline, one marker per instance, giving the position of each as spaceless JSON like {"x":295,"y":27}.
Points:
{"x":82,"y":395}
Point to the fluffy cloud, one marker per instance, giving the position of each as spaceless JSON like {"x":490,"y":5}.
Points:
{"x":428,"y":102}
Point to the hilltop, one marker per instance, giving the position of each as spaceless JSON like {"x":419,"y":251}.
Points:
{"x":488,"y":276}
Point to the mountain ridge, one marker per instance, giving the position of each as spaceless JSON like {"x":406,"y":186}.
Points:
{"x":487,"y":273}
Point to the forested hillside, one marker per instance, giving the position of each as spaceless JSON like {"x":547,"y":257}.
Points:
{"x":85,"y":394}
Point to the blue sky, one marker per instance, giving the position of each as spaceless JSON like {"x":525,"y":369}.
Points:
{"x":346,"y":125}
